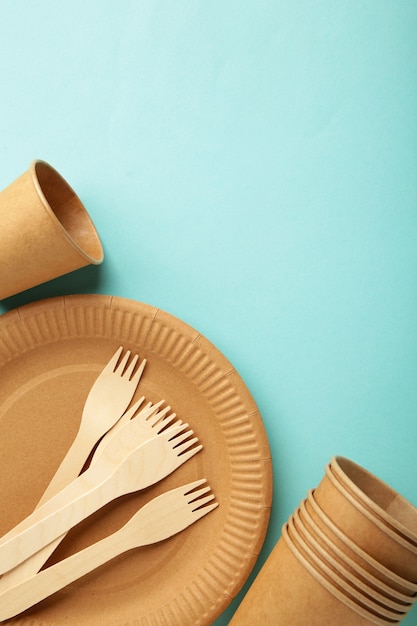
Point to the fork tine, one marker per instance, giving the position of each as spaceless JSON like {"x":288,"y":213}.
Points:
{"x":133,"y":413}
{"x":137,"y":376}
{"x":111,"y":365}
{"x":169,"y":425}
{"x":183,"y":447}
{"x":191,"y":486}
{"x":119,"y":369}
{"x":154,"y":415}
{"x":129,"y":370}
{"x":182,"y":458}
{"x":133,"y":409}
{"x":199,"y":513}
{"x":179,"y":437}
{"x":200,"y":492}
{"x":201,"y":502}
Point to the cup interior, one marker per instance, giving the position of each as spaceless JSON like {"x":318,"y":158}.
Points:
{"x":368,"y":513}
{"x":59,"y":198}
{"x":385,"y":503}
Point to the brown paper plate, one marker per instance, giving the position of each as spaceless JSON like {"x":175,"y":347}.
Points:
{"x":50,"y":354}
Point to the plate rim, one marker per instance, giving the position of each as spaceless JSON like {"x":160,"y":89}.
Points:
{"x":76,"y":305}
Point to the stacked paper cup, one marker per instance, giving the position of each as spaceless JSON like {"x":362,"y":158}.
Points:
{"x":347,"y":556}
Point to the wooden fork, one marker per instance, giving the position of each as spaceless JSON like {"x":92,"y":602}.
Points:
{"x":104,"y":481}
{"x":107,"y":400}
{"x":159,"y":519}
{"x":149,"y":422}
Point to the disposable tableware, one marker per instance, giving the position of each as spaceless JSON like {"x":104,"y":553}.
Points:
{"x":159,"y":519}
{"x":110,"y":477}
{"x":149,"y":422}
{"x":106,"y":402}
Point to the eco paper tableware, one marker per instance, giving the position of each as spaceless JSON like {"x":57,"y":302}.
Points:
{"x":346,"y":561}
{"x":389,"y":549}
{"x":382,"y":502}
{"x":45,"y":230}
{"x":352,"y":550}
{"x":343,"y":580}
{"x":338,"y":560}
{"x":285,"y":593}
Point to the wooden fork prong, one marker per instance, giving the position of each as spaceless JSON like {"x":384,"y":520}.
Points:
{"x":189,"y":489}
{"x":127,"y":373}
{"x":180,"y":436}
{"x":169,"y":425}
{"x":197,"y":494}
{"x":184,"y":456}
{"x":145,"y":413}
{"x":121,"y":366}
{"x":128,"y":415}
{"x":201,"y":502}
{"x":111,"y":365}
{"x":182,"y":447}
{"x":159,"y":423}
{"x":199,"y":513}
{"x":155,"y":416}
{"x":137,"y":375}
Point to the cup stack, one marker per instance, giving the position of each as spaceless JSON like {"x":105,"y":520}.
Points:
{"x":347,"y":556}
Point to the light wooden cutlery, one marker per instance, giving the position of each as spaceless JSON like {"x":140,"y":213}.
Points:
{"x":159,"y":519}
{"x":149,"y":421}
{"x":107,"y":400}
{"x":122,"y":467}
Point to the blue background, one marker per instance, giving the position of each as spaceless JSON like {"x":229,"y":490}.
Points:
{"x":251,"y":169}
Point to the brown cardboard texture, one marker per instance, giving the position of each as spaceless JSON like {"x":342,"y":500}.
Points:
{"x":45,"y":230}
{"x":381,"y":500}
{"x":333,"y":551}
{"x":51,"y":355}
{"x":285,"y":593}
{"x":343,"y":511}
{"x":336,"y":585}
{"x":352,"y":550}
{"x":344,"y":579}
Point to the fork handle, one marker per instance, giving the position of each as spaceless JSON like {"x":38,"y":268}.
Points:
{"x":68,"y":471}
{"x":78,"y":500}
{"x":71,"y":465}
{"x":33,"y":564}
{"x":47,"y":582}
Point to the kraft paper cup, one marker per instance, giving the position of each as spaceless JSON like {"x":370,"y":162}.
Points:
{"x":360,"y":556}
{"x":340,"y":592}
{"x":388,"y":506}
{"x":388,"y":548}
{"x":45,"y":230}
{"x":369,"y":514}
{"x":285,"y":593}
{"x":346,"y":594}
{"x":350,"y":564}
{"x":355,"y":587}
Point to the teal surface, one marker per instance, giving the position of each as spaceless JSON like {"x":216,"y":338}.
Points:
{"x":251,"y":169}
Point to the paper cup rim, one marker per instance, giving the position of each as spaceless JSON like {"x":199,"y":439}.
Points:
{"x":340,"y":582}
{"x":350,"y":603}
{"x":337,"y":463}
{"x":96,"y":259}
{"x":351,"y":545}
{"x":342,"y":574}
{"x":333,"y":547}
{"x":363,"y":510}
